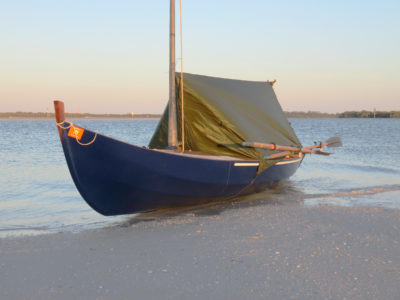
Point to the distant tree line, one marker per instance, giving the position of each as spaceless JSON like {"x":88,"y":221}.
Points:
{"x":346,"y":114}
{"x":41,"y":115}
{"x":289,"y":114}
{"x":369,"y":114}
{"x":309,"y":114}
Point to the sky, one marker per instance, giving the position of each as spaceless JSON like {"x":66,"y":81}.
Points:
{"x":112,"y":56}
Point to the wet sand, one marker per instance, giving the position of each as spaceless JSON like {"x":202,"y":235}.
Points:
{"x":242,"y":250}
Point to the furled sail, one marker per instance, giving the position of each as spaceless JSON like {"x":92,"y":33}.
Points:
{"x":221,"y":113}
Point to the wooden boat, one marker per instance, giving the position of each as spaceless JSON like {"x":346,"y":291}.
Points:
{"x":233,"y":139}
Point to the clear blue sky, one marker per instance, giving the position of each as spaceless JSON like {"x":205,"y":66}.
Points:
{"x":112,"y":56}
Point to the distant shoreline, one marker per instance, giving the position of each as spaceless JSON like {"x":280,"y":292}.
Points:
{"x":77,"y":118}
{"x":43,"y":116}
{"x":30,"y":116}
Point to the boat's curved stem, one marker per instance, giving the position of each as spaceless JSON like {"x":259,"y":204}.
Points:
{"x":60,"y":114}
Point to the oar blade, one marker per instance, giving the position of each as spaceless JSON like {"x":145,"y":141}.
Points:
{"x":335,"y":141}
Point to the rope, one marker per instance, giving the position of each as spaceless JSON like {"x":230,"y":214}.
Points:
{"x":87,"y":144}
{"x":60,"y":125}
{"x":182,"y":112}
{"x":70,"y":124}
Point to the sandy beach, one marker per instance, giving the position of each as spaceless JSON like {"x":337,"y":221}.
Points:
{"x":252,"y":249}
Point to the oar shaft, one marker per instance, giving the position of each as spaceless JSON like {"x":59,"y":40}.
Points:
{"x":279,"y":155}
{"x":320,"y":145}
{"x":285,"y":148}
{"x":269,"y":146}
{"x":286,"y":153}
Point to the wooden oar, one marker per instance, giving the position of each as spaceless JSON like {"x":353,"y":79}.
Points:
{"x":331,"y":142}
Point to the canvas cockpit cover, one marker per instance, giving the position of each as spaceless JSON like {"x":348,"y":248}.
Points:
{"x":221,"y":113}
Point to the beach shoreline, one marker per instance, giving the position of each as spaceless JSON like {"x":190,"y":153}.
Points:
{"x":239,"y":250}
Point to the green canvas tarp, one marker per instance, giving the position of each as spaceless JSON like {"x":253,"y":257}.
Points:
{"x":221,"y":113}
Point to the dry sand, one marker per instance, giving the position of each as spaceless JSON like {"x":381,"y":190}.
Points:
{"x":245,"y":250}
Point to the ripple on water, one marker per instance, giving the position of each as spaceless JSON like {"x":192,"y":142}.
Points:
{"x":38,"y":195}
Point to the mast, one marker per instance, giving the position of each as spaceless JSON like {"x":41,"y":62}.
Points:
{"x":172,"y":125}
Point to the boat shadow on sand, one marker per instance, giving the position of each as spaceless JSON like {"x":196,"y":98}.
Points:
{"x":282,"y":193}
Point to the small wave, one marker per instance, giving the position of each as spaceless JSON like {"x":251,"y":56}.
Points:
{"x":366,"y":168}
{"x":358,"y":192}
{"x":376,"y":169}
{"x":24,"y":228}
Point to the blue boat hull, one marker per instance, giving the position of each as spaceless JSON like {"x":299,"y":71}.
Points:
{"x":118,"y":178}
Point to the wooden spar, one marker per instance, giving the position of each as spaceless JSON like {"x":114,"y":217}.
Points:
{"x":332,"y":142}
{"x":303,"y":150}
{"x":278,"y":147}
{"x":60,"y":115}
{"x":172,"y":125}
{"x":269,"y":146}
{"x":279,"y":155}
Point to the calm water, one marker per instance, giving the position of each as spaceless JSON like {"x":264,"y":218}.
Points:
{"x":38,"y":195}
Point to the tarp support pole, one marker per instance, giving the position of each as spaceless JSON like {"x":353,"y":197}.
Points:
{"x":172,"y":125}
{"x":182,"y":107}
